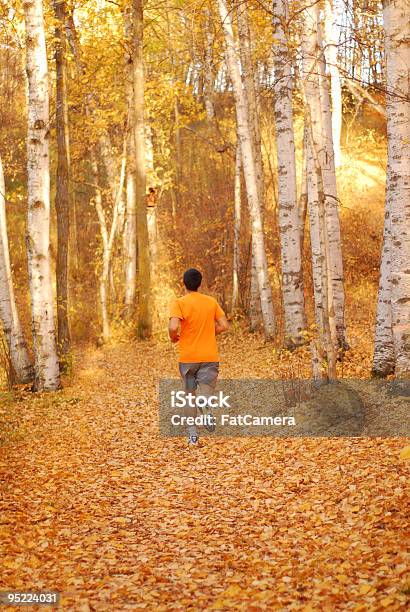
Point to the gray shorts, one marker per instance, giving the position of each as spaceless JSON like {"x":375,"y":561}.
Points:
{"x":199,"y":374}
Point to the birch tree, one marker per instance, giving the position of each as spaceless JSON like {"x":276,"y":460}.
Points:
{"x":327,"y":161}
{"x":62,"y":180}
{"x":384,"y":357}
{"x":12,"y":330}
{"x":236,"y":228}
{"x":248,"y":75}
{"x":108,"y":234}
{"x":289,"y":222}
{"x":303,"y":196}
{"x":47,"y":375}
{"x":138,"y":131}
{"x":250,"y":173}
{"x":249,"y":89}
{"x":208,"y":68}
{"x":396,"y":248}
{"x":151,"y":201}
{"x":130,"y":234}
{"x":254,"y":312}
{"x":317,"y":201}
{"x":331,"y":39}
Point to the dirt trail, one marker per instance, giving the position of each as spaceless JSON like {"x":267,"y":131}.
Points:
{"x":96,"y":505}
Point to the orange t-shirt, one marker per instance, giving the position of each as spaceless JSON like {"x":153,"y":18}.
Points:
{"x":198,"y":313}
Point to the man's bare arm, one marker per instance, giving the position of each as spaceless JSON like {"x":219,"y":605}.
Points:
{"x":221,"y":325}
{"x":174,"y":329}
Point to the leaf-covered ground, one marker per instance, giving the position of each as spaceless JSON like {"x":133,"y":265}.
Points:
{"x":96,"y":505}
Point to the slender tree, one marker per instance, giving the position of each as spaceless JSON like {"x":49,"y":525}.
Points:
{"x":63,"y":173}
{"x":250,"y":173}
{"x":331,"y":38}
{"x":152,"y":222}
{"x":236,"y":228}
{"x":16,"y":343}
{"x":144,"y":274}
{"x":303,"y":197}
{"x":289,"y":222}
{"x":384,"y":357}
{"x":47,"y":375}
{"x":130,"y":237}
{"x":254,"y":311}
{"x":396,"y":248}
{"x":248,"y":77}
{"x":107,"y":235}
{"x":317,"y":199}
{"x":249,"y":91}
{"x":208,"y":68}
{"x":327,"y":161}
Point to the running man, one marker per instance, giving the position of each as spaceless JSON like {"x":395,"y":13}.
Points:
{"x":194,"y":322}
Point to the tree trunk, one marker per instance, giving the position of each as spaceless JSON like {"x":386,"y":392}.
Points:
{"x":105,"y":271}
{"x":250,"y":173}
{"x":397,"y":31}
{"x":321,"y":266}
{"x":331,"y":36}
{"x":255,"y":313}
{"x":384,"y":359}
{"x":245,"y":49}
{"x":107,"y":237}
{"x":47,"y":374}
{"x":209,"y":72}
{"x":62,"y":180}
{"x":130,"y":239}
{"x":236,"y":229}
{"x":16,"y":343}
{"x":289,"y":222}
{"x":327,"y":162}
{"x":326,"y":347}
{"x":144,"y":275}
{"x":303,"y":198}
{"x":151,"y":201}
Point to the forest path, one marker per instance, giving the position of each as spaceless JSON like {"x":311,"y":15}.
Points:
{"x":98,"y":506}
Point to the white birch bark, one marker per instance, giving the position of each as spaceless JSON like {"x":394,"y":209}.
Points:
{"x":255,"y":313}
{"x":152,"y":236}
{"x":209,"y":73}
{"x":113,"y":168}
{"x":327,"y":162}
{"x":248,"y":74}
{"x":331,"y":37}
{"x":130,"y":230}
{"x":326,"y":345}
{"x":303,"y":197}
{"x":384,"y":358}
{"x":16,"y":343}
{"x":291,"y":255}
{"x":236,"y":228}
{"x":152,"y":222}
{"x":108,"y":237}
{"x":310,"y":90}
{"x":397,"y":37}
{"x":47,"y":375}
{"x":105,"y":271}
{"x":250,"y":174}
{"x":324,"y":311}
{"x":249,"y":89}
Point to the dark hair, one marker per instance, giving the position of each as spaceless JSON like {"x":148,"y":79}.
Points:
{"x":192,"y":279}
